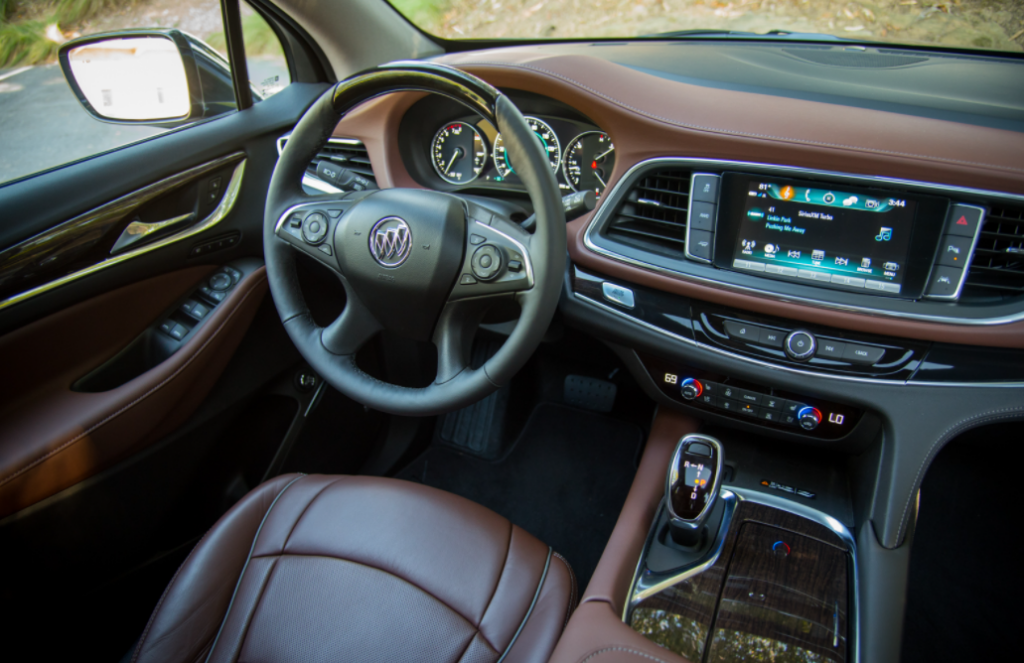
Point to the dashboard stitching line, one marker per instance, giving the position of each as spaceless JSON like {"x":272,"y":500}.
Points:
{"x":141,"y":398}
{"x":959,"y":427}
{"x":734,"y":132}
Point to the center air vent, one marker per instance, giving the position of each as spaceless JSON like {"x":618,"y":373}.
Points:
{"x":346,"y":152}
{"x":998,"y":264}
{"x":654,"y":213}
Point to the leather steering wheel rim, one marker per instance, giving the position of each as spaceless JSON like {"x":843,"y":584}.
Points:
{"x":457,"y":385}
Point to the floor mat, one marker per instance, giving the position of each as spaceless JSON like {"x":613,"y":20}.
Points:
{"x":564,"y":481}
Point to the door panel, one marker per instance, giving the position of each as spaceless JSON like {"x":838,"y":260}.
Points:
{"x":53,"y":436}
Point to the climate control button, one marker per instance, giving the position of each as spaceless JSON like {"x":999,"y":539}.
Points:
{"x":809,"y":418}
{"x":800,"y":345}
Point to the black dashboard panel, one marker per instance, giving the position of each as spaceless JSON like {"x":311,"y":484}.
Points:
{"x":427,"y":117}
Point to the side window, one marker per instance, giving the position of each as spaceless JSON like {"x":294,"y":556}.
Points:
{"x":42,"y":122}
{"x":268,"y":68}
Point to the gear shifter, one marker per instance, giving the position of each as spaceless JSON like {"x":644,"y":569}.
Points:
{"x":691,"y":487}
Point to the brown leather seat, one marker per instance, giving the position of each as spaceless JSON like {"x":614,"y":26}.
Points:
{"x":322,"y":568}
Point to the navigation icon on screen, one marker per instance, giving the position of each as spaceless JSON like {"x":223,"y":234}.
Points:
{"x":884,"y":235}
{"x":842,"y":262}
{"x":818,"y":254}
{"x":794,"y":254}
{"x":865,"y":263}
{"x":852,"y":200}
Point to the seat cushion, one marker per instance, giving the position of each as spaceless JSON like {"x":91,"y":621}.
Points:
{"x":339,"y":568}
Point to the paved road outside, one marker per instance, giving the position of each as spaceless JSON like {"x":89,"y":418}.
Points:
{"x":42,"y":124}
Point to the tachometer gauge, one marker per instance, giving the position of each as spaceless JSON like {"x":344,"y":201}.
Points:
{"x":547,"y":138}
{"x":458,"y":153}
{"x":589,"y":160}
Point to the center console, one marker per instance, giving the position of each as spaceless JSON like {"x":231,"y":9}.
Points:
{"x":764,"y":578}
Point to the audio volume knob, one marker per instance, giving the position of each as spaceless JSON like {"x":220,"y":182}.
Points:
{"x":800,"y":345}
{"x":809,"y":417}
{"x":691,"y":389}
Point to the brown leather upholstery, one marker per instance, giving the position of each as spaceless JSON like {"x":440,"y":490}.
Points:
{"x":329,"y":568}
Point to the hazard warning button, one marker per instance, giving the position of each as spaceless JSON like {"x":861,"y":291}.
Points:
{"x":964,"y":220}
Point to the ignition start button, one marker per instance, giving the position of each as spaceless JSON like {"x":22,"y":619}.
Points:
{"x":486,"y":262}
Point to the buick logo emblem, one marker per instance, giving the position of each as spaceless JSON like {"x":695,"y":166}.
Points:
{"x":390,"y":241}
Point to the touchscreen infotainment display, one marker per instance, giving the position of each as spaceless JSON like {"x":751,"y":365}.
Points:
{"x":825,"y":233}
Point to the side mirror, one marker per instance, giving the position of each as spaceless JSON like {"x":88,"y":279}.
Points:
{"x":156,"y":77}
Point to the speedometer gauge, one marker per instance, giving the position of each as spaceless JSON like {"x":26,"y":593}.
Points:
{"x":589,"y":160}
{"x":547,"y":138}
{"x":458,"y":153}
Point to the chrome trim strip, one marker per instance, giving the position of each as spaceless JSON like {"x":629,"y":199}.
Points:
{"x":641,"y":589}
{"x":970,"y":255}
{"x":227,"y":203}
{"x":777,"y":367}
{"x":605,"y":213}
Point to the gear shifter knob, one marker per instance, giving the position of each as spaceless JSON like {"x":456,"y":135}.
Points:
{"x":694,"y":477}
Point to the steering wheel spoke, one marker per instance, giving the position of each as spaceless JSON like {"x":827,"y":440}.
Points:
{"x":310,"y":226}
{"x":497,"y":258}
{"x":353,"y":328}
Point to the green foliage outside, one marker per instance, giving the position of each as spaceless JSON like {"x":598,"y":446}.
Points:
{"x":23,"y":26}
{"x":259,"y":38}
{"x":420,"y":12}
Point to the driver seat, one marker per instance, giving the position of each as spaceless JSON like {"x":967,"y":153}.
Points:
{"x":345,"y":568}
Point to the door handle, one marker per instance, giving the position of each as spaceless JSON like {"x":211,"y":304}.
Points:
{"x":137,"y":231}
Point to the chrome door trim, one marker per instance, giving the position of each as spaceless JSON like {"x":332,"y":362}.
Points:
{"x":606,"y":212}
{"x":137,"y":198}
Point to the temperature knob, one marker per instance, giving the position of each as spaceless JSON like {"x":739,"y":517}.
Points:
{"x":691,"y":389}
{"x":808,"y":417}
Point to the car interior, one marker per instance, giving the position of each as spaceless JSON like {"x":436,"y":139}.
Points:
{"x":682,"y":348}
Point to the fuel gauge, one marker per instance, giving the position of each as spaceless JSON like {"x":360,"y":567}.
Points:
{"x":589,"y":161}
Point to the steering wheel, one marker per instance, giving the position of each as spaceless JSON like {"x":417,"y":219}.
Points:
{"x":425,"y":264}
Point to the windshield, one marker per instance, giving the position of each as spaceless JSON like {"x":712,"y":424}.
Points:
{"x":973,"y":24}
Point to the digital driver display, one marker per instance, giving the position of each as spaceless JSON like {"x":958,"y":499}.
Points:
{"x":807,"y":230}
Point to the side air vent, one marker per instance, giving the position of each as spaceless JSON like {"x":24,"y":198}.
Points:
{"x":654,"y":213}
{"x":998,"y":265}
{"x":346,"y":152}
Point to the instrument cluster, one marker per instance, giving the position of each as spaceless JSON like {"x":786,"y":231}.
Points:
{"x":470,"y":151}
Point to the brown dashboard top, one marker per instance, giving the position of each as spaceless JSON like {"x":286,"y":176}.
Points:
{"x":649,"y":117}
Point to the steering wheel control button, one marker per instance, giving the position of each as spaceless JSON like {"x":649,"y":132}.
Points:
{"x":325,"y":248}
{"x":220,"y":281}
{"x":800,"y":345}
{"x":467,"y":279}
{"x":616,"y":294}
{"x":829,"y":349}
{"x":741,"y":331}
{"x":964,"y":220}
{"x":476,"y":240}
{"x":314,"y":228}
{"x":690,"y":389}
{"x":862,"y":354}
{"x":486,"y":262}
{"x":515,"y":266}
{"x":809,"y":418}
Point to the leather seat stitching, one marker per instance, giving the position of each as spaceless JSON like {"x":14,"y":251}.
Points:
{"x":248,"y":558}
{"x":138,"y":400}
{"x":382,"y":570}
{"x":627,"y":650}
{"x":494,"y":592}
{"x":955,"y":429}
{"x":167,"y":590}
{"x":572,"y":590}
{"x":733,"y":132}
{"x":533,"y":604}
{"x":295,"y":524}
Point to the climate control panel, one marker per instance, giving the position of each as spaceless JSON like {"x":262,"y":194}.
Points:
{"x":741,"y":400}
